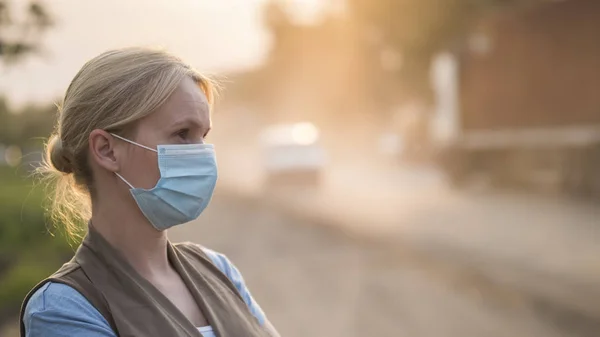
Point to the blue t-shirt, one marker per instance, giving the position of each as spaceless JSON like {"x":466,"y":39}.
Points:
{"x":57,"y":310}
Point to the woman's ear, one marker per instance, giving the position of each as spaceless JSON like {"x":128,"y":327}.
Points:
{"x":102,"y":150}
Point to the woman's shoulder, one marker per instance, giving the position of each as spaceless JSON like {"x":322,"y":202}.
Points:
{"x":222,"y":262}
{"x":54,"y":295}
{"x":218,"y":259}
{"x":55,"y":309}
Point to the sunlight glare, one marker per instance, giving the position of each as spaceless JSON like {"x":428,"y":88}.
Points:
{"x":307,"y":9}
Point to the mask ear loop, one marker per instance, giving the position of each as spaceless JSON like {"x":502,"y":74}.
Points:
{"x":134,"y":143}
{"x":125,"y":181}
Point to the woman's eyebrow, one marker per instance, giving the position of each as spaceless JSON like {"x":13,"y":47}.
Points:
{"x":187,"y":121}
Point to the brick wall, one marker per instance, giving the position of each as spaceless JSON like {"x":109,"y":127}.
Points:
{"x":543,"y":69}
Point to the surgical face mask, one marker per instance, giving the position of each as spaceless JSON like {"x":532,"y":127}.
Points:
{"x":188,"y":175}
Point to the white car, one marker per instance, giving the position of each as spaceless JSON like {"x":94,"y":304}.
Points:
{"x":292,"y":155}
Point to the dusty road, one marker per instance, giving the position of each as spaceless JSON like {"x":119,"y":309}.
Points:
{"x":467,"y":266}
{"x":311,"y":280}
{"x":540,"y":244}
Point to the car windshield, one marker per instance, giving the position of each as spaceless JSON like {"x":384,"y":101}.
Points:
{"x":290,"y":134}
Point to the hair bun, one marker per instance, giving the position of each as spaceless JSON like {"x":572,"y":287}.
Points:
{"x":57,"y":157}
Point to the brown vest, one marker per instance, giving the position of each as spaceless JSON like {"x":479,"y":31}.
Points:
{"x":134,"y":307}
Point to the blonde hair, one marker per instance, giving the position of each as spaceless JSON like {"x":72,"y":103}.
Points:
{"x":111,"y":92}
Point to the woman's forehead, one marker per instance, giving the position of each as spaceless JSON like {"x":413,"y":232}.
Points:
{"x":187,"y":102}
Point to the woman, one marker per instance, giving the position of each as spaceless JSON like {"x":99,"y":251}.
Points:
{"x":130,"y":157}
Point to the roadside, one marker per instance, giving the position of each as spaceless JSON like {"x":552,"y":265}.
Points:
{"x":545,"y":247}
{"x":312,"y":279}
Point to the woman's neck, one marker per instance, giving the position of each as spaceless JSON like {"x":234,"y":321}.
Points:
{"x":128,"y":231}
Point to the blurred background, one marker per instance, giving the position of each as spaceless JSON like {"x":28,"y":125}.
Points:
{"x":387,"y":167}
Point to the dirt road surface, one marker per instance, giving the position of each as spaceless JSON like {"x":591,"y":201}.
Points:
{"x":543,"y":247}
{"x":311,"y":280}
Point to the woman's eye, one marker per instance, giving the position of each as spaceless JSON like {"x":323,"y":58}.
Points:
{"x":183,"y":134}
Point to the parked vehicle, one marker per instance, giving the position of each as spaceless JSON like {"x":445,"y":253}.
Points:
{"x":292,"y":155}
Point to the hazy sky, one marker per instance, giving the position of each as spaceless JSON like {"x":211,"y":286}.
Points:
{"x":213,"y":35}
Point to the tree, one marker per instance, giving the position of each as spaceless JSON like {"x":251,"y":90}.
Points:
{"x":420,"y":28}
{"x":23,"y":225}
{"x":21,"y":28}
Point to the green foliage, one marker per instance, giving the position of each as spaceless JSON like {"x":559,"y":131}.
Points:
{"x":23,"y":276}
{"x":28,"y":126}
{"x":21,"y":212}
{"x":28,"y":253}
